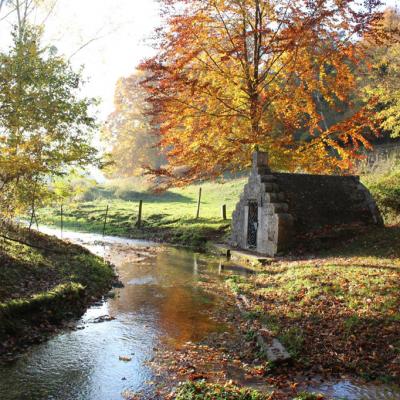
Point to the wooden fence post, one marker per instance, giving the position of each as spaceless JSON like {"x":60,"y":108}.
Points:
{"x":198,"y":205}
{"x":105,"y":222}
{"x":62,"y":221}
{"x":223,"y":212}
{"x":139,"y":220}
{"x":32,"y":218}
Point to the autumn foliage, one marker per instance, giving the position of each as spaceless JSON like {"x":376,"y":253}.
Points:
{"x":232,"y":74}
{"x":127,"y":134}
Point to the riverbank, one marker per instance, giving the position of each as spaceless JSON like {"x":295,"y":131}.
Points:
{"x":44,"y":281}
{"x":336,"y":312}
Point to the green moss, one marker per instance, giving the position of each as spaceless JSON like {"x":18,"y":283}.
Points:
{"x":207,"y":391}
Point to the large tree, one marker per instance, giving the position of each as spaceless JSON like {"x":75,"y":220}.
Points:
{"x":380,"y":75}
{"x":45,"y":127}
{"x":232,"y":74}
{"x":127,"y":135}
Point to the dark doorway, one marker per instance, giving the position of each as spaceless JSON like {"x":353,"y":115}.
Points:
{"x":252,"y":225}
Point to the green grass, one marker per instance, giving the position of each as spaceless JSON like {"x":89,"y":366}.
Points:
{"x":384,"y":184}
{"x":339,"y":309}
{"x":202,"y":390}
{"x":208,"y":391}
{"x":170,"y":216}
{"x":43,"y":279}
{"x":308,"y":396}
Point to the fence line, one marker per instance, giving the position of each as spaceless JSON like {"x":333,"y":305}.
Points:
{"x":139,"y":222}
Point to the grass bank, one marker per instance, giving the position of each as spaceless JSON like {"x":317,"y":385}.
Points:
{"x":168,"y":217}
{"x":335,"y":312}
{"x":44,"y":281}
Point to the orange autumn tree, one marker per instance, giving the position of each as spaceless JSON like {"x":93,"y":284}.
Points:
{"x":232,"y":74}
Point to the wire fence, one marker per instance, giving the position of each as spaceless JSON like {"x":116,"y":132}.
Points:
{"x":104,"y":219}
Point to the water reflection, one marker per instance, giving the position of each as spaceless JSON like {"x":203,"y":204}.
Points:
{"x":159,"y":303}
{"x":349,"y":390}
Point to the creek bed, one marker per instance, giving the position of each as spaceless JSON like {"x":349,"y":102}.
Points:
{"x":105,"y":352}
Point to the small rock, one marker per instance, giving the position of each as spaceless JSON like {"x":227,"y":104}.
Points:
{"x":125,"y":358}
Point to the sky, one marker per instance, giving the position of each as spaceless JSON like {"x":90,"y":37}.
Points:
{"x":118,"y":28}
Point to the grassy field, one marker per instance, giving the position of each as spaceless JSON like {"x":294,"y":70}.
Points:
{"x":169,"y":216}
{"x":42,"y":281}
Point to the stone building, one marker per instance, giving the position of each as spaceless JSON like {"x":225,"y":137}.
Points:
{"x":276,"y":210}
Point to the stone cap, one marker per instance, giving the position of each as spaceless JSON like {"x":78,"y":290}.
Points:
{"x":260,"y":159}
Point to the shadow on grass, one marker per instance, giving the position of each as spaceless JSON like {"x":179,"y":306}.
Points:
{"x":376,"y":242}
{"x":133,"y":195}
{"x":368,"y":242}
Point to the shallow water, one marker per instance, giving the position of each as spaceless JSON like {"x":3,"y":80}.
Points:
{"x":159,"y":305}
{"x":352,"y":390}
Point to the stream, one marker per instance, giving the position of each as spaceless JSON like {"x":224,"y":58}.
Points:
{"x":160,"y":305}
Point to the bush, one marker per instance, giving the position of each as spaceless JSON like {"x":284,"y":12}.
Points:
{"x":385,"y":188}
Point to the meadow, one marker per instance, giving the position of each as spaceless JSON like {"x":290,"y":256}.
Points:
{"x":168,"y":216}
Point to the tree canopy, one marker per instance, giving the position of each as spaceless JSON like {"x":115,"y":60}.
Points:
{"x":380,"y":79}
{"x":45,"y":126}
{"x":230,"y":75}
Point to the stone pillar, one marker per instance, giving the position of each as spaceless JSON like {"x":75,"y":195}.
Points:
{"x":260,"y":160}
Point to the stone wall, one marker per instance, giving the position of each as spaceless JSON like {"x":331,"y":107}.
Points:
{"x":292,"y":205}
{"x":319,"y":200}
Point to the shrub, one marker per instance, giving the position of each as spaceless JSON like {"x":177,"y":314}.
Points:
{"x":385,"y":188}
